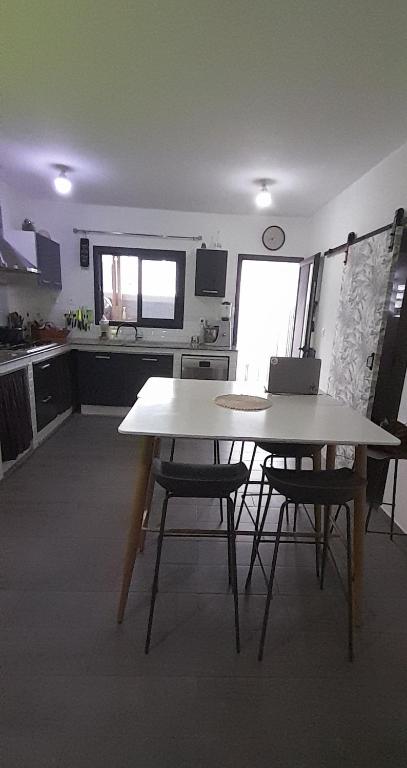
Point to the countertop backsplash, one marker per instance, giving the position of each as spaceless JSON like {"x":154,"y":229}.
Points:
{"x":191,"y":328}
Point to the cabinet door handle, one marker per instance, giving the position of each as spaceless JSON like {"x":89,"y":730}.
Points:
{"x":45,"y":282}
{"x":47,"y":365}
{"x":102,"y":357}
{"x":370,"y":361}
{"x":150,"y":359}
{"x":46,"y":399}
{"x":204,"y":290}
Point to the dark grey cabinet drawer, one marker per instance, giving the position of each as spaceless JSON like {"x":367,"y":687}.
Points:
{"x":114,"y":378}
{"x":53,"y":388}
{"x":153,"y":365}
{"x":45,"y":400}
{"x":210,"y":273}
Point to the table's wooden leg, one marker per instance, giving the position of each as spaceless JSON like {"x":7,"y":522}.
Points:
{"x":144,"y":458}
{"x":330,"y":457}
{"x":316,"y":465}
{"x":149,"y":495}
{"x":359,"y":533}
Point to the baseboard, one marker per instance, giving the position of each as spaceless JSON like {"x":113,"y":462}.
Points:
{"x":103,"y":410}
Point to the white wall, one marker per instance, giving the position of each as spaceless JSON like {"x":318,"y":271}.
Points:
{"x":237,"y":234}
{"x":367,"y":204}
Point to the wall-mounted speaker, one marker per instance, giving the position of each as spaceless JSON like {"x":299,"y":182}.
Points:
{"x":84,"y":252}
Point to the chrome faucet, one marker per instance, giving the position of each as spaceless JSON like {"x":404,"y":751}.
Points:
{"x":126,"y":325}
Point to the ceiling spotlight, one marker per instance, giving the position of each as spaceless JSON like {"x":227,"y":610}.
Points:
{"x":263,"y":198}
{"x":62,"y":184}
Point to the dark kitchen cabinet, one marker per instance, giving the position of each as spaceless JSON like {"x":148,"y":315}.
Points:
{"x":15,"y":415}
{"x":43,"y":253}
{"x":53,"y":388}
{"x":64,"y":382}
{"x":49,"y":262}
{"x":45,"y":401}
{"x":115,"y":378}
{"x":153,"y":365}
{"x":210,"y":273}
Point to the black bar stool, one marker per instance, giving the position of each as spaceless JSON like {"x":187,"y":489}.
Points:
{"x":286,"y":451}
{"x":200,"y":481}
{"x":384,"y":456}
{"x":327,"y":487}
{"x":232,"y":448}
{"x":216,"y":460}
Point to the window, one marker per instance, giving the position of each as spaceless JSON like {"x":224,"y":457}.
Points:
{"x":139,"y":286}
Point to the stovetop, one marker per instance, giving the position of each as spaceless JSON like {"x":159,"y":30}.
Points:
{"x":21,"y":345}
{"x":9,"y":352}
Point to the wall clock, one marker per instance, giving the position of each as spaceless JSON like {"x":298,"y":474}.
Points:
{"x":273,"y":238}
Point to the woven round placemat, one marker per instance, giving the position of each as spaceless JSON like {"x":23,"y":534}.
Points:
{"x":243,"y":402}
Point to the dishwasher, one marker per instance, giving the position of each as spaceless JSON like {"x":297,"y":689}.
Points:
{"x":197,"y":367}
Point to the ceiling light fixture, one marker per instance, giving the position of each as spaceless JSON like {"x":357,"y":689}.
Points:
{"x":263,"y":198}
{"x":62,"y":184}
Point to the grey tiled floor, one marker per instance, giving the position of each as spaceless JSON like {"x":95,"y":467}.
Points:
{"x":77,"y":690}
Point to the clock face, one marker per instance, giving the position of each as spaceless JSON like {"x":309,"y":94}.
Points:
{"x":273,"y":238}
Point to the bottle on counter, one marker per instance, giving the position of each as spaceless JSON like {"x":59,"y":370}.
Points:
{"x":104,"y":327}
{"x":202,"y":331}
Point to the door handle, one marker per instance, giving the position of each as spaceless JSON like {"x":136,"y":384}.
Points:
{"x":370,"y":361}
{"x":150,"y":359}
{"x":204,"y":290}
{"x":46,"y":399}
{"x":47,"y":365}
{"x":102,"y":357}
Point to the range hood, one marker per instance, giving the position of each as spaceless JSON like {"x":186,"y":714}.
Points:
{"x":11,"y":260}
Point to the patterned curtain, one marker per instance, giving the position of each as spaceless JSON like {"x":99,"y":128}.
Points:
{"x":360,"y":326}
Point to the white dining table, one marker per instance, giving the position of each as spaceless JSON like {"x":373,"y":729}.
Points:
{"x":186,"y":408}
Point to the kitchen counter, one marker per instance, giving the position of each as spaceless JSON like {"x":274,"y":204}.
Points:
{"x":12,"y":360}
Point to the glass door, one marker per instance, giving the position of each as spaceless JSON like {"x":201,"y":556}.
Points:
{"x":266,"y":298}
{"x":308,"y":284}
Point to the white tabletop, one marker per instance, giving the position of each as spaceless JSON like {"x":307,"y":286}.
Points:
{"x":186,"y":408}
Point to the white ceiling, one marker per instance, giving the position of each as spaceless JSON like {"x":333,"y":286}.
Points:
{"x":182,"y":104}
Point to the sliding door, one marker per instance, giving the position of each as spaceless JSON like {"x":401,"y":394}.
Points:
{"x":361,"y":324}
{"x":308,"y":282}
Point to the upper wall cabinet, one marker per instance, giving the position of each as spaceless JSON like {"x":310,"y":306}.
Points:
{"x":43,"y":253}
{"x":210,"y":274}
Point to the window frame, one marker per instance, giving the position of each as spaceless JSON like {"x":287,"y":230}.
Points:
{"x":148,"y":254}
